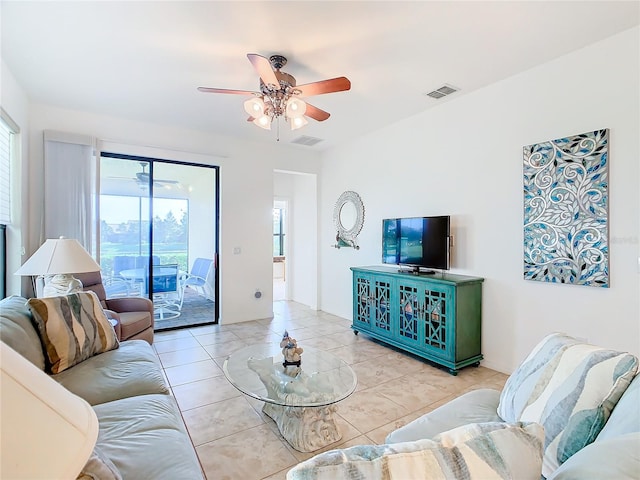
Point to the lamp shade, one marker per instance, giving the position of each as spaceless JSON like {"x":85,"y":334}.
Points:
{"x":298,"y":122}
{"x":295,"y":107}
{"x":254,"y":107}
{"x":59,"y":256}
{"x":46,"y":431}
{"x":263,"y":121}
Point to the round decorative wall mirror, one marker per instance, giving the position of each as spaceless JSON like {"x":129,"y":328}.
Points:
{"x":348,"y":218}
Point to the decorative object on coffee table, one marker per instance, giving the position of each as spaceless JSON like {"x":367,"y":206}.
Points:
{"x":290,"y":351}
{"x":566,"y":210}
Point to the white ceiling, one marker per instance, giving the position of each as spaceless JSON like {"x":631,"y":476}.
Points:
{"x":143,"y":60}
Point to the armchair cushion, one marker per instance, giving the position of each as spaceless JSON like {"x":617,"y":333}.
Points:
{"x":135,"y":315}
{"x":570,"y":388}
{"x":72,"y":328}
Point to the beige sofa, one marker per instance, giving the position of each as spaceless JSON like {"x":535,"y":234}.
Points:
{"x":141,"y":428}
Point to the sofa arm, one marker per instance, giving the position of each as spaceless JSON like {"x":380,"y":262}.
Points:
{"x":476,"y":406}
{"x":130,"y":304}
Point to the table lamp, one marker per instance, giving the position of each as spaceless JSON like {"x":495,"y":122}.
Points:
{"x":46,"y":431}
{"x":61,"y":258}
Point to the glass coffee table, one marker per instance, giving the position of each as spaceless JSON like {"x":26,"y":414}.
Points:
{"x":301,"y":400}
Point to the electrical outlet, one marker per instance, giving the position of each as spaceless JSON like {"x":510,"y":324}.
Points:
{"x":237,"y":250}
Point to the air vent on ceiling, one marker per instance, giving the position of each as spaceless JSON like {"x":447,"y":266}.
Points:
{"x":443,"y":91}
{"x":306,"y":140}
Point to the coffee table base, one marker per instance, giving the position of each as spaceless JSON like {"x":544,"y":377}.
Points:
{"x":307,"y":429}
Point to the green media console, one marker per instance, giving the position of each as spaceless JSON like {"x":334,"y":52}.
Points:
{"x":437,"y":317}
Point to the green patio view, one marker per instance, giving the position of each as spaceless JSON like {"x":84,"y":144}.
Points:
{"x":125,"y":232}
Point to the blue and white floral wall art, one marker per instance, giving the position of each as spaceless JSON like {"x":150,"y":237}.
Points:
{"x":566,"y":210}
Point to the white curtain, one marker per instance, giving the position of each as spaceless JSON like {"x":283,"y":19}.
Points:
{"x":70,"y":188}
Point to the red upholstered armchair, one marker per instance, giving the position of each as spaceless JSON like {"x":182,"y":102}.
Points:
{"x":135,"y":314}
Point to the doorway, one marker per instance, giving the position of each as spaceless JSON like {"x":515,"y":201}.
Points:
{"x":280,"y":217}
{"x":158,"y":220}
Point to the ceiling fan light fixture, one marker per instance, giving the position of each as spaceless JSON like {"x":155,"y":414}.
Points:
{"x":298,"y":122}
{"x":263,"y":121}
{"x":279,"y":94}
{"x":295,"y":107}
{"x":254,"y":107}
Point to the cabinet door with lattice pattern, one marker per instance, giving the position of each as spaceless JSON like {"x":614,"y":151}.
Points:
{"x":380,"y":301}
{"x":409,"y":312}
{"x":362,"y":302}
{"x":438,"y":321}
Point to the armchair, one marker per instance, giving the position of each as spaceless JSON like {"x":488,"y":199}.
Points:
{"x":135,"y":314}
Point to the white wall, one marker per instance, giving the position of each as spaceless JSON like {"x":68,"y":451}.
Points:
{"x":303,"y":271}
{"x":246,"y":175}
{"x":464,"y":158}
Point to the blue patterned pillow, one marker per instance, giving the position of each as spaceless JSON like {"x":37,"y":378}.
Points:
{"x":482,"y":451}
{"x":570,"y":388}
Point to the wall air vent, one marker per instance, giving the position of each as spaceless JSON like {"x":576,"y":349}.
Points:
{"x":306,"y":140}
{"x":442,"y":92}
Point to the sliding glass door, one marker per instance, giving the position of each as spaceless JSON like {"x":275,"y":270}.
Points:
{"x":158,"y":221}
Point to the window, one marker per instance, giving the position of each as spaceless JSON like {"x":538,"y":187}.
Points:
{"x":278,"y":232}
{"x":124,"y":229}
{"x":6,"y":136}
{"x":8,"y":130}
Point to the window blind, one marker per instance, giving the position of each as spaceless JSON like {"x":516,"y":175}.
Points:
{"x":6,"y":134}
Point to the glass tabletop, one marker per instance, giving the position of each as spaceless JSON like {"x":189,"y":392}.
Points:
{"x":258,"y":371}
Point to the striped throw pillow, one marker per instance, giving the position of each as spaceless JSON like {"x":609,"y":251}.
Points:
{"x":482,"y":451}
{"x":72,"y":328}
{"x":570,"y":388}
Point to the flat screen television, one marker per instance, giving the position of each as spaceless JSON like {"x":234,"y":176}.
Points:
{"x":419,"y":242}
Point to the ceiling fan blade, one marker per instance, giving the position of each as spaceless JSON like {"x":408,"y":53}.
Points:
{"x":316,"y":113}
{"x":339,"y":84}
{"x":224,"y":90}
{"x":172,"y":182}
{"x":264,"y":69}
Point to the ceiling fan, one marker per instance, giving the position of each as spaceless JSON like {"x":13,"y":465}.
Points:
{"x":280,"y":96}
{"x":143,"y":178}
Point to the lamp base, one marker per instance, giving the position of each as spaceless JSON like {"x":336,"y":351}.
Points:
{"x":61,"y":284}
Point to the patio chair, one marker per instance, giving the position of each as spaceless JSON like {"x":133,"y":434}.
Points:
{"x":123,"y":262}
{"x":197,"y":279}
{"x":167,"y":291}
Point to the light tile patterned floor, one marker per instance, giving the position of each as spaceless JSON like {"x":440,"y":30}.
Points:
{"x":235,"y":440}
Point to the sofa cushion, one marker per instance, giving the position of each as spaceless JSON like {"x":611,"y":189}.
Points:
{"x":133,"y":369}
{"x":72,"y":328}
{"x":99,"y":467}
{"x":476,"y":451}
{"x":18,"y":331}
{"x":145,"y":437}
{"x":625,"y":418}
{"x":477,"y":406}
{"x":570,"y":388}
{"x":615,"y":458}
